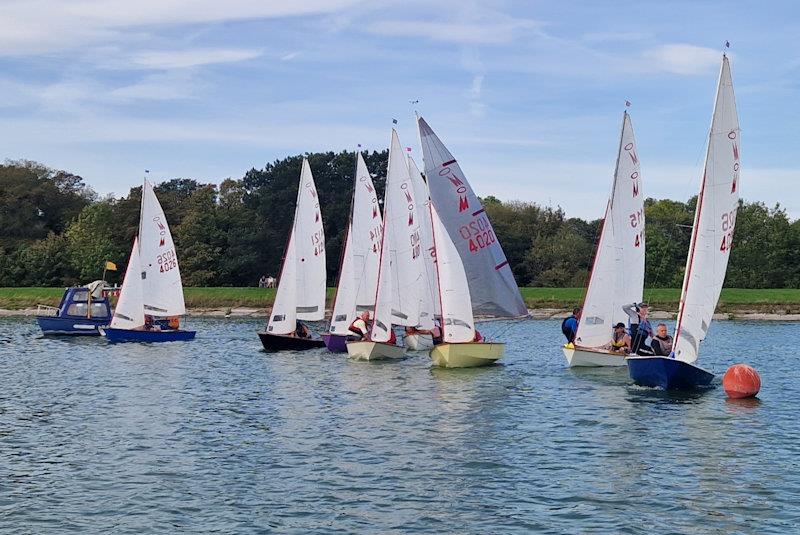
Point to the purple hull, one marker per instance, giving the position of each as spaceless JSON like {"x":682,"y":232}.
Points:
{"x":335,"y":343}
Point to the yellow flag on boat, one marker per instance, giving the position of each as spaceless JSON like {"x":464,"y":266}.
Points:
{"x":111,"y":266}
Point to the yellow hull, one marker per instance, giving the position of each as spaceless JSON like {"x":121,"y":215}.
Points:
{"x":467,"y":354}
{"x":375,"y":351}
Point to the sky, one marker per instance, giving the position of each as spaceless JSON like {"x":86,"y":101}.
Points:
{"x":527,"y":95}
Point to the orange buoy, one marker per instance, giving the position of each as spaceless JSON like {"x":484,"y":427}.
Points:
{"x":741,"y":381}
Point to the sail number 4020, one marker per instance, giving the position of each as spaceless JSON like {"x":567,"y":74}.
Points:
{"x":167,"y":261}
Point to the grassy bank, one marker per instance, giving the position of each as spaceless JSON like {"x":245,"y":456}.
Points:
{"x":767,"y":300}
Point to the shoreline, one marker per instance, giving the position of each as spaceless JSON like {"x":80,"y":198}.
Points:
{"x":744,"y":314}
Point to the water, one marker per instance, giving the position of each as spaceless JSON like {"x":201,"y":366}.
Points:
{"x":216,"y":436}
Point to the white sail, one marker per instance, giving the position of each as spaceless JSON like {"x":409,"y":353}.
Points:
{"x":458,"y":324}
{"x":494,"y":290}
{"x":301,"y":289}
{"x":358,"y":279}
{"x":714,"y":221}
{"x":400,"y":273}
{"x":161,"y":275}
{"x":429,"y":302}
{"x":617,"y":276}
{"x":129,"y":312}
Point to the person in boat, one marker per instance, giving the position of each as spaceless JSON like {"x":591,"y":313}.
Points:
{"x":436,"y":332}
{"x":301,"y":331}
{"x":620,"y":339}
{"x":359,"y":329}
{"x":569,"y":327}
{"x":662,"y":342}
{"x":640,"y":329}
{"x":150,"y":324}
{"x":174,"y":322}
{"x":478,"y":336}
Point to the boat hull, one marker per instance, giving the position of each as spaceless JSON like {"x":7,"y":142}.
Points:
{"x":116,"y":336}
{"x":54,"y":326}
{"x":336,"y":343}
{"x":584,"y":357}
{"x":467,"y":354}
{"x":418,"y":342}
{"x":375,"y":351}
{"x":667,"y":373}
{"x":282,"y":342}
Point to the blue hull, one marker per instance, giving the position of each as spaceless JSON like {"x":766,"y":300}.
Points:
{"x":124,"y":335}
{"x":52,"y":325}
{"x":667,"y":373}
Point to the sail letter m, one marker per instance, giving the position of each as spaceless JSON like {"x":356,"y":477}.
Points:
{"x":463,"y":203}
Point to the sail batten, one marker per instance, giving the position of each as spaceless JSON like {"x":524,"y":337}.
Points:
{"x":492,"y":285}
{"x":714,"y":223}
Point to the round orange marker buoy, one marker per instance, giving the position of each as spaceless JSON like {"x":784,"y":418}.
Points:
{"x":741,"y":381}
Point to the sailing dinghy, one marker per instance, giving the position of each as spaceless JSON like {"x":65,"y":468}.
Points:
{"x":301,"y":288}
{"x":358,"y":276}
{"x":422,"y":339}
{"x":488,"y":286}
{"x":617,"y":276}
{"x":707,"y":261}
{"x":397,"y":300}
{"x":152,"y":287}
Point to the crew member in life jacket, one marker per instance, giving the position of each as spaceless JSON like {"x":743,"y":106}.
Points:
{"x":662,"y":342}
{"x":301,"y":330}
{"x":620,"y":340}
{"x":569,"y":327}
{"x":641,"y":329}
{"x":359,"y":329}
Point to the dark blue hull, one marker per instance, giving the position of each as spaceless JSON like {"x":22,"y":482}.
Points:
{"x":125,"y":335}
{"x":52,"y":325}
{"x":281,"y":342}
{"x":667,"y":373}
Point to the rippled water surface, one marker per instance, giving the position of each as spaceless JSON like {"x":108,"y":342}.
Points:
{"x":217,"y":436}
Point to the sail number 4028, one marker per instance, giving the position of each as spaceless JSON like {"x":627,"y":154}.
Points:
{"x":167,"y":261}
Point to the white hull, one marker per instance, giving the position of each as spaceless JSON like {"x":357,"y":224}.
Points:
{"x":375,"y":351}
{"x":467,"y":354}
{"x":584,"y":357}
{"x":418,"y":342}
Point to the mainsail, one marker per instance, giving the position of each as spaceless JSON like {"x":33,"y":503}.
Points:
{"x":358,"y":279}
{"x":129,"y":312}
{"x":400,"y":275}
{"x":429,"y":301}
{"x":301,"y":289}
{"x":714,"y":221}
{"x":458,"y":323}
{"x":617,"y":276}
{"x":161,"y":276}
{"x":491,"y":281}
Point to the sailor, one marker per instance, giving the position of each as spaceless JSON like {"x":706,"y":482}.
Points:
{"x":359,"y":328}
{"x":640,"y":327}
{"x":436,"y":332}
{"x":478,"y":336}
{"x":620,"y":340}
{"x":301,"y":331}
{"x":662,"y":342}
{"x":569,"y":327}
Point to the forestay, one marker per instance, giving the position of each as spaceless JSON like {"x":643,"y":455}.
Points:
{"x":129,"y":312}
{"x":358,"y":279}
{"x":301,"y":289}
{"x":715,"y":219}
{"x":458,"y":323}
{"x":400,"y":274}
{"x":161,"y":275}
{"x":491,"y":281}
{"x":429,"y":301}
{"x":617,"y":276}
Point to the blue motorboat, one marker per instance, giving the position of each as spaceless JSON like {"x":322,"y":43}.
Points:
{"x":82,"y":312}
{"x":668,"y":373}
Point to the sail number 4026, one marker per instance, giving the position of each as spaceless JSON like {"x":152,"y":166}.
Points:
{"x":167,"y":261}
{"x":728,"y":223}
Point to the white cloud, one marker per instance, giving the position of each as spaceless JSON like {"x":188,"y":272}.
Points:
{"x":179,"y":59}
{"x":683,"y":58}
{"x":499,"y":31}
{"x":290,"y":56}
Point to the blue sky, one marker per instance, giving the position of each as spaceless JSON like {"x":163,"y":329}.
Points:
{"x":527,"y":95}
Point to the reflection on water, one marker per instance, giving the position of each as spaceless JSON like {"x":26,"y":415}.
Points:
{"x":217,"y":435}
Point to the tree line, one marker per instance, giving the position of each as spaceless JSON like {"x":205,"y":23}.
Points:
{"x":56,"y":231}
